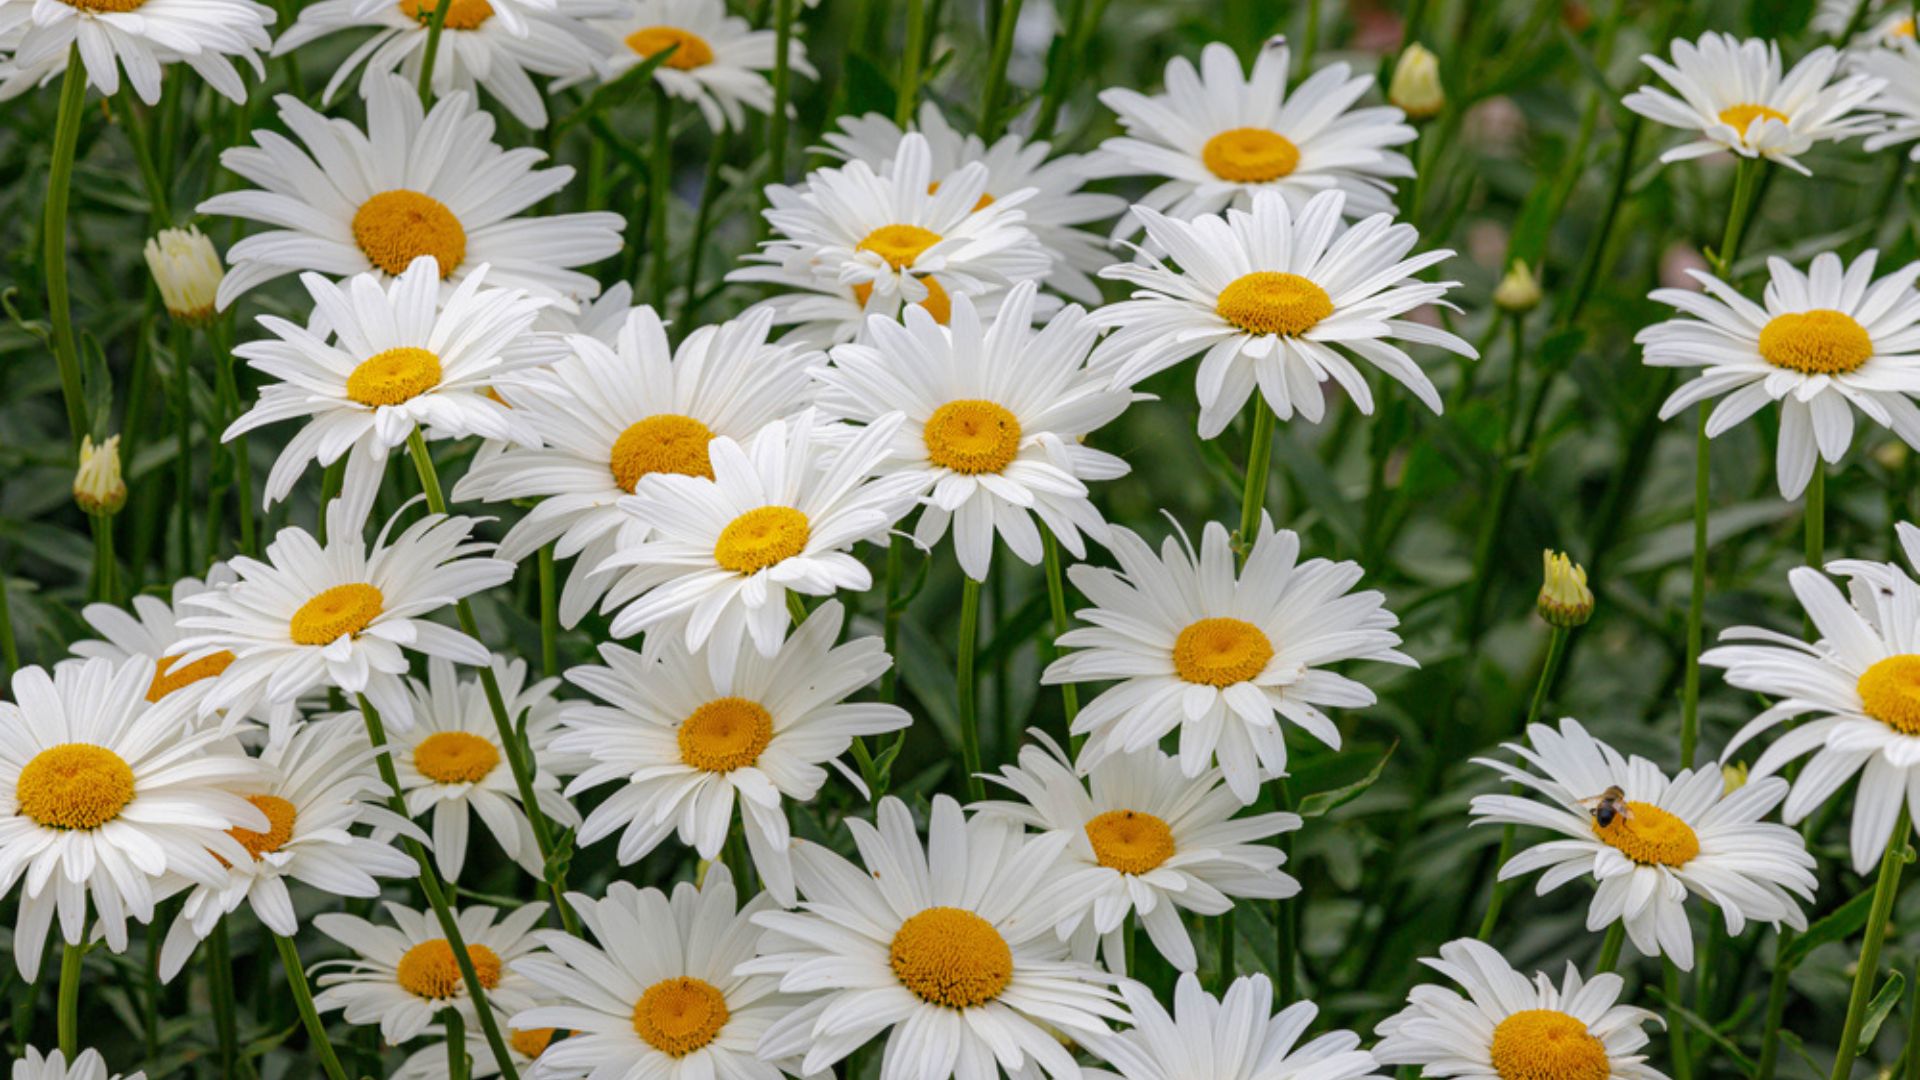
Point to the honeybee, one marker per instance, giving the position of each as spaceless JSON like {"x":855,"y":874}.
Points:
{"x":1607,"y":806}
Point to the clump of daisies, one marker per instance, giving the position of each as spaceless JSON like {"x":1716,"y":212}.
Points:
{"x":143,"y":37}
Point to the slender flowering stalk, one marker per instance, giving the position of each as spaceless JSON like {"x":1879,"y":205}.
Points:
{"x":67,"y":1011}
{"x":303,"y":1000}
{"x":967,"y":687}
{"x":436,"y":24}
{"x":66,"y":138}
{"x":992,"y":123}
{"x":1885,"y":888}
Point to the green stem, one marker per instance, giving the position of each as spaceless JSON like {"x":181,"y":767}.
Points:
{"x":991,"y":122}
{"x":1912,"y":1052}
{"x":1057,"y":604}
{"x":67,"y":1018}
{"x":1223,"y":949}
{"x":303,"y":998}
{"x":239,"y":460}
{"x":183,"y":455}
{"x":908,"y":90}
{"x":1816,"y":515}
{"x":1060,"y":72}
{"x":1776,"y":1007}
{"x":66,"y":138}
{"x":966,"y":689}
{"x":143,"y":157}
{"x":1610,"y":948}
{"x":1885,"y":888}
{"x":103,"y":558}
{"x":436,"y":896}
{"x":549,"y":615}
{"x":1676,"y":1027}
{"x":1696,"y":595}
{"x":1253,"y":497}
{"x":702,"y":221}
{"x":456,"y":1045}
{"x":1556,"y":651}
{"x":435,"y":24}
{"x":220,"y":993}
{"x":659,"y":176}
{"x":890,"y":615}
{"x":9,"y":648}
{"x":782,"y":91}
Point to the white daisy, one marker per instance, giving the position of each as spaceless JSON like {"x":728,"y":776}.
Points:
{"x":523,"y":1051}
{"x":1507,"y":1026}
{"x":87,"y":1065}
{"x":1054,"y":211}
{"x":1146,"y":839}
{"x":1281,"y":299}
{"x":612,"y":412}
{"x":852,"y":242}
{"x":1899,"y":100}
{"x":661,"y":996}
{"x":1234,"y":1037}
{"x":780,"y":514}
{"x":141,"y":35}
{"x":684,"y":740}
{"x":413,"y":183}
{"x":1667,"y":839}
{"x":1216,"y":136}
{"x":451,"y":762}
{"x":317,"y":787}
{"x":1221,"y":655}
{"x":403,"y":976}
{"x":382,"y":359}
{"x":996,"y":420}
{"x":102,"y":793}
{"x":719,"y":60}
{"x":476,"y":49}
{"x":1856,"y":685}
{"x":950,"y":946}
{"x":341,"y":614}
{"x":1816,"y":343}
{"x":1733,"y":95}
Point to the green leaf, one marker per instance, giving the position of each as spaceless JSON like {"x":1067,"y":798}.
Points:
{"x":618,"y":92}
{"x":1879,"y":1008}
{"x":1839,"y":925}
{"x":1699,"y":1023}
{"x":1320,"y":802}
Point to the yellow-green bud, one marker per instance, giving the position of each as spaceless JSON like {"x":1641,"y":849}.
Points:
{"x":1416,"y":83}
{"x":1733,"y":777}
{"x":1518,"y":291}
{"x":1565,"y":600}
{"x":188,"y":271}
{"x":97,"y":485}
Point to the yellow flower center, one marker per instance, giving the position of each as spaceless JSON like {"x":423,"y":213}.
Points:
{"x":280,"y":815}
{"x":343,"y":609}
{"x":461,"y":14}
{"x":898,"y":244}
{"x":693,"y":51}
{"x":972,"y":437}
{"x":1130,"y":841}
{"x":1741,"y":117}
{"x":429,"y":969}
{"x":759,"y":538}
{"x":952,"y":957}
{"x":1817,"y":342}
{"x":455,"y":757}
{"x":396,"y":227}
{"x":937,"y":303}
{"x":393,"y":377}
{"x":1546,"y":1044}
{"x":530,"y":1043}
{"x":167,"y":678}
{"x":74,"y":786}
{"x":662,"y":443}
{"x":1903,"y":28}
{"x":1268,"y":302}
{"x":1890,"y":692}
{"x":725,"y":734}
{"x":1250,"y":155}
{"x":679,"y":1016}
{"x":1221,"y":652}
{"x":98,"y":7}
{"x":1650,"y":836}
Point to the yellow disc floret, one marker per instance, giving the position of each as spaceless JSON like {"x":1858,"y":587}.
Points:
{"x":431,"y":971}
{"x":393,"y":377}
{"x":898,"y":244}
{"x":455,"y":757}
{"x":1130,"y":841}
{"x":280,"y":817}
{"x":1890,"y":692}
{"x":1250,"y":155}
{"x":396,"y":227}
{"x":679,"y":1016}
{"x":1546,"y":1044}
{"x":662,"y":443}
{"x":74,"y":786}
{"x":1741,"y":117}
{"x":99,"y":7}
{"x":972,"y":437}
{"x":760,"y":538}
{"x":343,"y":609}
{"x":530,"y":1043}
{"x":692,"y":50}
{"x":1269,"y":302}
{"x":937,"y":304}
{"x":1650,"y":836}
{"x":167,"y":678}
{"x":725,"y":734}
{"x":952,"y":957}
{"x":1221,"y":652}
{"x":1817,"y":342}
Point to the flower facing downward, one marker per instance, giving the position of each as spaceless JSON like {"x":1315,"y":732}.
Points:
{"x":1237,"y":1034}
{"x":187,"y":269}
{"x":403,"y":976}
{"x":1565,"y":601}
{"x":719,"y":61}
{"x":97,"y":485}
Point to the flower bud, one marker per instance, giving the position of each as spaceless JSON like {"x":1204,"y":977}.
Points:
{"x":1518,"y":291}
{"x":1416,"y":83}
{"x":1733,"y":777}
{"x":97,"y":485}
{"x":1564,"y":598}
{"x":188,"y":271}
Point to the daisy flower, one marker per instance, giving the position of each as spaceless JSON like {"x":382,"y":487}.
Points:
{"x":684,"y":740}
{"x":1507,"y":1026}
{"x":523,"y":1050}
{"x":1280,"y":299}
{"x":141,"y":35}
{"x":1853,"y":690}
{"x":1899,"y":100}
{"x":1817,"y":343}
{"x":1216,"y":136}
{"x":404,"y":975}
{"x":1733,"y":95}
{"x":950,"y":946}
{"x":87,"y":1065}
{"x":615,"y":410}
{"x":1235,"y":1037}
{"x":341,"y":614}
{"x":719,"y":61}
{"x":381,"y":360}
{"x":660,"y":997}
{"x":1145,"y":839}
{"x":1666,"y":839}
{"x":413,"y":183}
{"x":1220,"y":655}
{"x":317,"y":787}
{"x":476,"y":48}
{"x":103,"y":793}
{"x":854,"y":242}
{"x":451,"y":762}
{"x":1053,"y":211}
{"x":996,"y":420}
{"x":780,"y":513}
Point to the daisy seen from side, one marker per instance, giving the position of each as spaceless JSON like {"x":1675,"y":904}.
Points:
{"x":1237,"y":1036}
{"x":719,"y":61}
